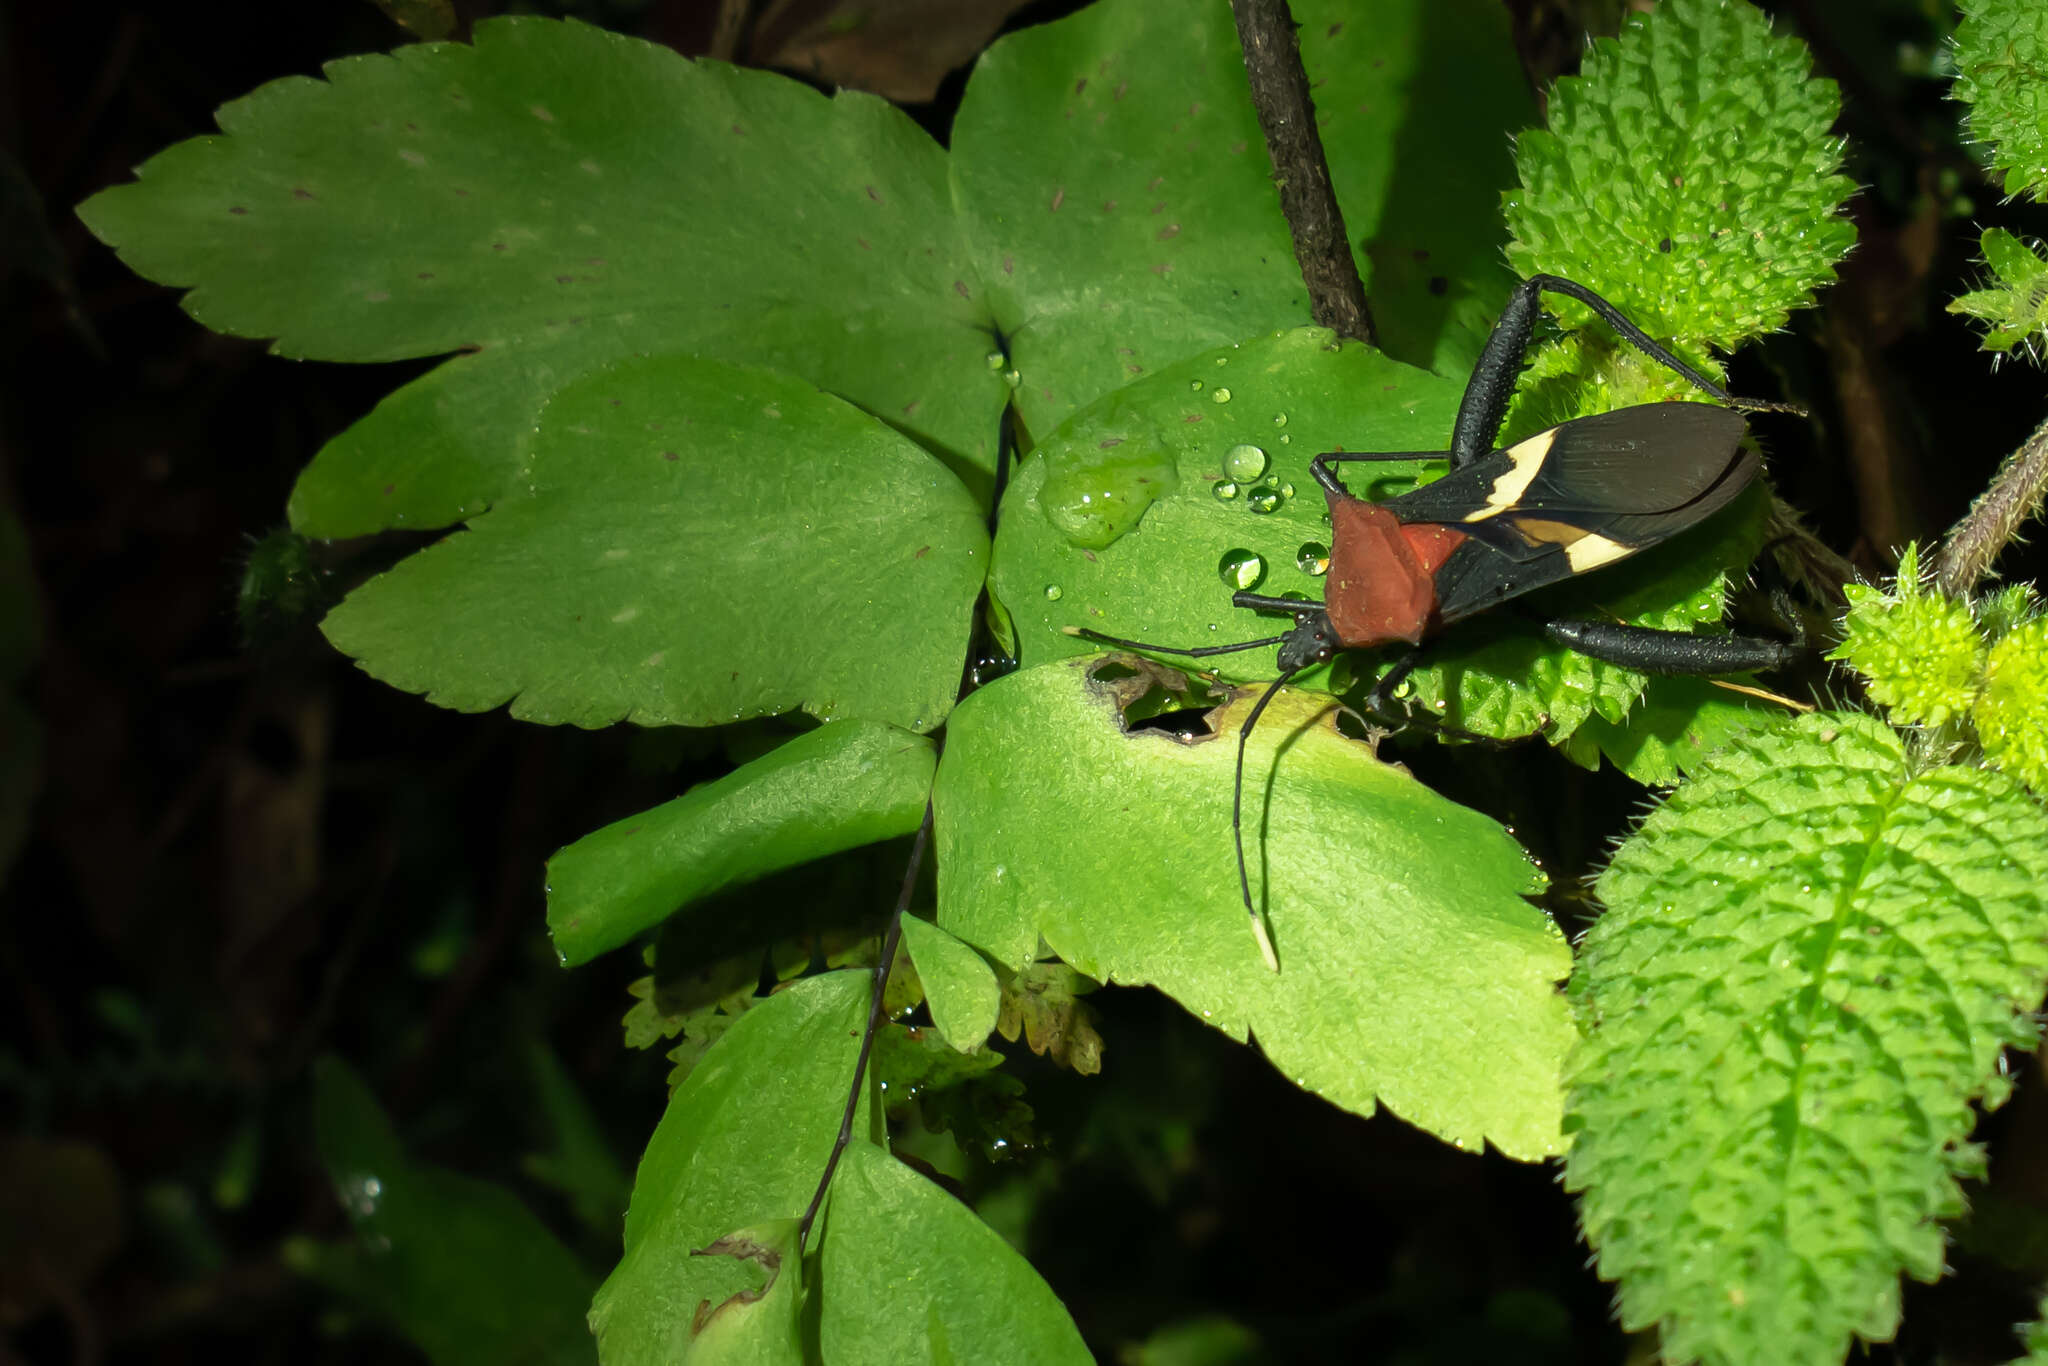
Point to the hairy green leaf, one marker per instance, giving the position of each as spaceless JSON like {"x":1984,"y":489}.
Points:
{"x":2015,"y":304}
{"x":459,"y":1265}
{"x":1634,"y":191}
{"x":1413,"y":973}
{"x":694,"y":543}
{"x":838,"y":787}
{"x":2001,"y":69}
{"x":1810,"y":963}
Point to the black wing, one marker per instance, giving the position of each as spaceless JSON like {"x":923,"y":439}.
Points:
{"x":1580,"y":496}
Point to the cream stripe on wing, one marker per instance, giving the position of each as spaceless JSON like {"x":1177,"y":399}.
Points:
{"x":1524,"y":459}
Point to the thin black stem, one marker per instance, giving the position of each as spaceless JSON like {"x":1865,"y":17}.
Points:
{"x":1287,"y":117}
{"x":891,"y":937}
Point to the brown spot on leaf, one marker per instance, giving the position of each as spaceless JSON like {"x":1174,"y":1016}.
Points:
{"x":238,"y":210}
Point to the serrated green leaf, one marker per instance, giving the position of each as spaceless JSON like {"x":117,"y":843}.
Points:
{"x":559,"y":198}
{"x":2001,"y":69}
{"x":911,"y":1276}
{"x":743,"y":1141}
{"x":959,"y":985}
{"x":2011,"y":715}
{"x":1688,"y":175}
{"x":1413,"y":973}
{"x":1809,"y":965}
{"x":696,"y":543}
{"x":1920,"y":653}
{"x":1679,"y":722}
{"x":459,"y":1265}
{"x":838,"y":787}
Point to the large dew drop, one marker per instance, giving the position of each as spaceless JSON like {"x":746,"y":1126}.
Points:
{"x":1244,"y":463}
{"x":1241,"y":569}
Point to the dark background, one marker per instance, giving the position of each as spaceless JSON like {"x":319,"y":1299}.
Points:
{"x":244,"y":854}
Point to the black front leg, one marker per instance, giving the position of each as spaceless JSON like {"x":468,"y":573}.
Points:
{"x":1493,"y":380}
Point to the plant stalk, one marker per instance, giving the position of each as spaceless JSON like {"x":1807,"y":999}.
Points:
{"x":891,"y":937}
{"x":1994,"y":520}
{"x":1287,"y":116}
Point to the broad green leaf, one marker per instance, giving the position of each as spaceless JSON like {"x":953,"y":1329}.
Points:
{"x":2001,"y":49}
{"x":459,"y":1265}
{"x":557,"y":198}
{"x":909,"y":1275}
{"x":959,"y":985}
{"x":837,"y":787}
{"x":1811,"y":961}
{"x":760,"y":1327}
{"x":1115,"y":185}
{"x":743,"y":1142}
{"x":1689,"y":174}
{"x":695,"y":543}
{"x":1418,"y":104}
{"x":1412,"y":971}
{"x":1119,"y":523}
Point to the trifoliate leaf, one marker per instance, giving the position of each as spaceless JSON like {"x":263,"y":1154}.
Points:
{"x":1920,"y":653}
{"x":1413,"y":974}
{"x":2015,"y":306}
{"x":1688,"y":175}
{"x":2011,"y":715}
{"x":1809,"y":966}
{"x":693,"y":543}
{"x":2001,"y":51}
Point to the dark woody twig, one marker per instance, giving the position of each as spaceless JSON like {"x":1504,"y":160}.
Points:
{"x":1974,"y":543}
{"x":1287,"y":116}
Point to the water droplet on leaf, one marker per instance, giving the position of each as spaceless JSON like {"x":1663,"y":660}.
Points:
{"x":1241,"y":568}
